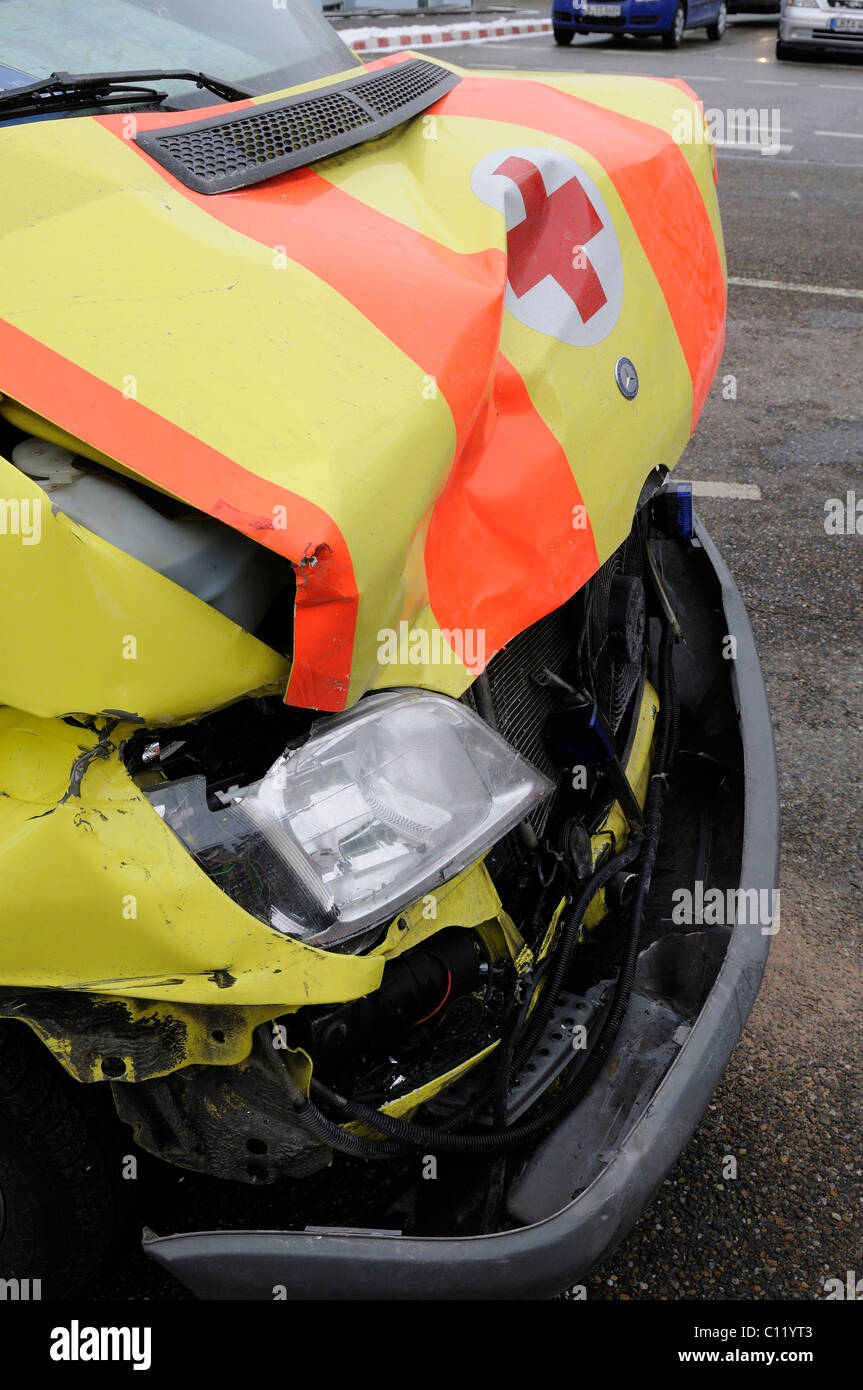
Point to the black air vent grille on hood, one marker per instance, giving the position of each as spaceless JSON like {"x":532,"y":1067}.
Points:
{"x":238,"y":149}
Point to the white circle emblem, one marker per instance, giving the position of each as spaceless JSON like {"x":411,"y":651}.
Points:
{"x":565,"y":269}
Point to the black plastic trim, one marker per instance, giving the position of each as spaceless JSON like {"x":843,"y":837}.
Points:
{"x":210,"y":156}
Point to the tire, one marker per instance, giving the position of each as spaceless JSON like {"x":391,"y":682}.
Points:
{"x":617,"y":39}
{"x":673,"y":37}
{"x":717,"y":29}
{"x":60,"y":1204}
{"x":563,"y":36}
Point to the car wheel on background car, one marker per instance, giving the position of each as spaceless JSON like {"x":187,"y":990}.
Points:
{"x":673,"y":37}
{"x":562,"y":36}
{"x":717,"y":28}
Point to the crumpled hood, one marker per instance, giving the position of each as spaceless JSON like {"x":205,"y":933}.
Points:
{"x":396,"y":367}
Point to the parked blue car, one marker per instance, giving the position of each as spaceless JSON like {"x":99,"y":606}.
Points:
{"x":666,"y":17}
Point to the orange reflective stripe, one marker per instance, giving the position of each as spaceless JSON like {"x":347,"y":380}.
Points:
{"x":657,"y":189}
{"x":509,"y":538}
{"x":99,"y":415}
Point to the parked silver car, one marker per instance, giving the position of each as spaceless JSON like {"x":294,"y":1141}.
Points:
{"x":836,"y":24}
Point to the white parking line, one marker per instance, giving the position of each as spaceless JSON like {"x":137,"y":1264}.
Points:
{"x":841,"y":134}
{"x":809,"y":163}
{"x":684,"y":78}
{"x":765,"y":82}
{"x":795,"y":289}
{"x":746,"y":492}
{"x":838,"y":87}
{"x":769,"y":150}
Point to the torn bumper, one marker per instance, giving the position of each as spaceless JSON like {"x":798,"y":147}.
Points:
{"x":543,"y":1257}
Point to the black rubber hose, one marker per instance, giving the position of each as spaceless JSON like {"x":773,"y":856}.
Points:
{"x":666,"y":746}
{"x":512,"y":1059}
{"x":593,"y":1064}
{"x":507,"y":1046}
{"x":569,"y":936}
{"x":515,"y":1052}
{"x":532,"y":1128}
{"x":314,"y":1119}
{"x":316,"y":1123}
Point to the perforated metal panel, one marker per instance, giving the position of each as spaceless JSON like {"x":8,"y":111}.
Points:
{"x":522,"y":701}
{"x":393,"y":89}
{"x":239,"y":149}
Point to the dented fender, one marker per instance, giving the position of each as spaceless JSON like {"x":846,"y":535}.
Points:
{"x":157,"y":959}
{"x":88,"y":629}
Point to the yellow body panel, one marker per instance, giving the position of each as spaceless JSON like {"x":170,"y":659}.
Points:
{"x":87,"y":629}
{"x":122,"y":908}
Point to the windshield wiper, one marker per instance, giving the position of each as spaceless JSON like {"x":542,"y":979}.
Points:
{"x":64,"y":91}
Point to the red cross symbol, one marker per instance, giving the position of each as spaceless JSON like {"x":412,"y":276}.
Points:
{"x":553,"y":230}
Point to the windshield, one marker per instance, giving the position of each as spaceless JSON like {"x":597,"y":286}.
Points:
{"x":256,"y":45}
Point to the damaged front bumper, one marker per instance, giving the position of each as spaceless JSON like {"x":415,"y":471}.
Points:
{"x":585,"y":1185}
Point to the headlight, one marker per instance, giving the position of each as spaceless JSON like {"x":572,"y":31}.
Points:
{"x":377,"y":807}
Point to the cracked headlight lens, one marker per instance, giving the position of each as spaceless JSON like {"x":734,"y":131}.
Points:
{"x":378,"y":806}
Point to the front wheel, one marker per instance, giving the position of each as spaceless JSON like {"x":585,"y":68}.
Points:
{"x":562,"y":36}
{"x":673,"y":37}
{"x":717,"y":28}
